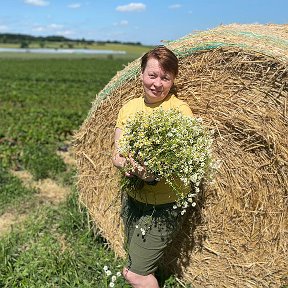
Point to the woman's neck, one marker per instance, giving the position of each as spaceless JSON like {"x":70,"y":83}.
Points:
{"x":157,"y":102}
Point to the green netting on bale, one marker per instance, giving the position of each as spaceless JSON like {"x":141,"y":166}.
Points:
{"x":269,"y":38}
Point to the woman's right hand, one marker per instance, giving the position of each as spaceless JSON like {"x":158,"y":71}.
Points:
{"x":140,"y":170}
{"x":120,"y":162}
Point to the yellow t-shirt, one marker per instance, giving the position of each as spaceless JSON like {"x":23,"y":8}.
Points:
{"x":160,"y":193}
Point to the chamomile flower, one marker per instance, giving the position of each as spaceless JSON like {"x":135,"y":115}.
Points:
{"x":143,"y":232}
{"x":183,"y":211}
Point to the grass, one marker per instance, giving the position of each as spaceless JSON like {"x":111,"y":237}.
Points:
{"x":42,"y":102}
{"x":12,"y":191}
{"x":56,"y":248}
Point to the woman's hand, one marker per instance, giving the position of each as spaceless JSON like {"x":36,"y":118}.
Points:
{"x":140,"y":170}
{"x":120,"y":162}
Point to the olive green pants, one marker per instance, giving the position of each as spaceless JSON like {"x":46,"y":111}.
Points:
{"x":148,"y":231}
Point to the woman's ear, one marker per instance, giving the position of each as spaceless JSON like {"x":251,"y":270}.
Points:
{"x":141,"y":76}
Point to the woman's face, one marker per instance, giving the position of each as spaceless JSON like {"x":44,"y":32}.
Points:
{"x":156,"y":82}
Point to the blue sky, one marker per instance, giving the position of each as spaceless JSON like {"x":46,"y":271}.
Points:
{"x":147,"y":21}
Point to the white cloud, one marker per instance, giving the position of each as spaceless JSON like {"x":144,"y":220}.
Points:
{"x":121,"y":23}
{"x":74,"y":5}
{"x":55,"y":29}
{"x":175,"y":6}
{"x":3,"y":28}
{"x":39,"y":28}
{"x":37,"y":2}
{"x":131,"y":7}
{"x":65,"y":33}
{"x":55,"y":26}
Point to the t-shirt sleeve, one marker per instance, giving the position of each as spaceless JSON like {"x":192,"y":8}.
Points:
{"x":185,"y":109}
{"x":126,"y":111}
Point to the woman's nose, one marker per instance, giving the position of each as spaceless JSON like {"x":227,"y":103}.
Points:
{"x":157,"y":82}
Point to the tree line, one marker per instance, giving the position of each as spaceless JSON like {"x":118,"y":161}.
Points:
{"x":24,"y":40}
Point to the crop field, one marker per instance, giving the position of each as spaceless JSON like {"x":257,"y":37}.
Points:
{"x":46,"y":237}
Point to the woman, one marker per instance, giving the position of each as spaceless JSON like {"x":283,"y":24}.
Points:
{"x":154,"y":201}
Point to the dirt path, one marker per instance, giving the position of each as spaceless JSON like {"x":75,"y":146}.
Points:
{"x":50,"y":193}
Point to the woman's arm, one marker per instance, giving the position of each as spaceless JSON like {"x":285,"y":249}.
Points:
{"x":118,"y":160}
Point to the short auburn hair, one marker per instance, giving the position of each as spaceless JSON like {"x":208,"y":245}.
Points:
{"x":167,"y":59}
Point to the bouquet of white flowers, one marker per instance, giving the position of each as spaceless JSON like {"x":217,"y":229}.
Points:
{"x":169,"y":145}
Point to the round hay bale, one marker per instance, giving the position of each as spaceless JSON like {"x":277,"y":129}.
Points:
{"x":236,"y":78}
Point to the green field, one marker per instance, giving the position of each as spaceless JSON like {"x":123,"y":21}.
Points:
{"x":42,"y":102}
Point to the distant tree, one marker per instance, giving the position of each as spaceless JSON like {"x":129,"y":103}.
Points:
{"x":25,"y":40}
{"x":57,"y":39}
{"x":100,"y":43}
{"x":42,"y":44}
{"x":24,"y":44}
{"x":4,"y":39}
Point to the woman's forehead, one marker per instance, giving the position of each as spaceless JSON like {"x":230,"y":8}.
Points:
{"x":153,"y":65}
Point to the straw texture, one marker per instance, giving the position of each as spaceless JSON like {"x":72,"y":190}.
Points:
{"x":236,"y":78}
